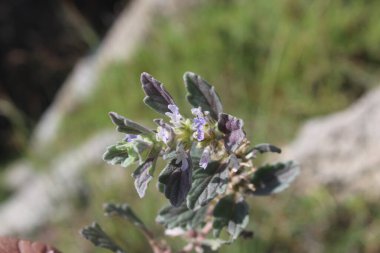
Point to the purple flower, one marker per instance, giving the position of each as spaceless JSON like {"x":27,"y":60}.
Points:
{"x":163,"y":134}
{"x":130,"y":137}
{"x":174,"y":115}
{"x":164,"y":131}
{"x":198,"y":123}
{"x":205,"y":158}
{"x":197,"y":112}
{"x":232,"y":127}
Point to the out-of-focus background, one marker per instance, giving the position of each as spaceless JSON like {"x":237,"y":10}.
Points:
{"x":303,"y":75}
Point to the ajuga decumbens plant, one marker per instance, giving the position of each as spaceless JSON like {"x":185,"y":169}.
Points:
{"x":209,"y":170}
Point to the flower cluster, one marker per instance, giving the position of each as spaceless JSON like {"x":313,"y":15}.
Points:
{"x":208,"y":158}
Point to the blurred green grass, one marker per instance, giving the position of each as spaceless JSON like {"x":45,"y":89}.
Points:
{"x":275,"y":64}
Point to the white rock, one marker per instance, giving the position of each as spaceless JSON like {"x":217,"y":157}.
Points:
{"x":341,"y":150}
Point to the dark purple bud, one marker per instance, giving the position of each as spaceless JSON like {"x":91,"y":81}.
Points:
{"x":232,"y":127}
{"x":228,"y":123}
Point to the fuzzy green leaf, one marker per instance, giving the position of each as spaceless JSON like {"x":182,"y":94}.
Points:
{"x":144,"y":173}
{"x":266,"y":147}
{"x":270,"y":179}
{"x":127,"y":126}
{"x":181,"y":217}
{"x":202,"y":94}
{"x":175,"y":182}
{"x":95,"y":234}
{"x":262,"y":148}
{"x":124,"y":211}
{"x":121,"y":153}
{"x":231,"y":214}
{"x":207,"y":184}
{"x":142,"y":177}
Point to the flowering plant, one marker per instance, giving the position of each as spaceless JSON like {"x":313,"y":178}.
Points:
{"x":209,"y":172}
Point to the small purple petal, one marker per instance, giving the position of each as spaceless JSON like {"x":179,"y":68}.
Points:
{"x":200,"y":135}
{"x":163,"y":135}
{"x":174,"y":115}
{"x":130,"y":137}
{"x":198,"y":123}
{"x":197,"y":112}
{"x":165,"y":132}
{"x":232,"y":127}
{"x":205,"y":158}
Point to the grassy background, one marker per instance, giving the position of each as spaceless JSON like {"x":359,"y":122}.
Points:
{"x":275,"y":64}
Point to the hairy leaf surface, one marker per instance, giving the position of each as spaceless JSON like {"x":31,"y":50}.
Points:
{"x":127,"y":126}
{"x":270,"y":179}
{"x":202,"y":94}
{"x":207,"y":184}
{"x":144,"y":173}
{"x":175,"y":182}
{"x":121,"y":153}
{"x":157,"y":97}
{"x":95,"y":234}
{"x":173,"y":217}
{"x":232,"y":214}
{"x":124,"y":211}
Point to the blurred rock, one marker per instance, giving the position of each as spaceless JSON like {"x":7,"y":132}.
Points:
{"x":18,"y":174}
{"x":341,"y":151}
{"x":37,"y":200}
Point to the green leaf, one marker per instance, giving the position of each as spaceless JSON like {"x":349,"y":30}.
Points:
{"x":144,"y":173}
{"x":175,"y":182}
{"x":270,"y":179}
{"x":207,"y":184}
{"x":124,"y":211}
{"x":266,"y":147}
{"x":231,"y":214}
{"x":95,"y":234}
{"x":157,"y":97}
{"x":202,"y":94}
{"x":121,"y":153}
{"x":262,"y":148}
{"x":142,"y":177}
{"x":127,"y":126}
{"x":181,"y":217}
